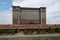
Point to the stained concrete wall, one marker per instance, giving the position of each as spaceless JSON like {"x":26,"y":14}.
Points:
{"x":21,"y":15}
{"x":43,"y":15}
{"x":16,"y":15}
{"x":28,"y":16}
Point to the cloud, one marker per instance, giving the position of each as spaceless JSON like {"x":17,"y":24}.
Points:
{"x":53,"y":8}
{"x":16,"y":2}
{"x":53,"y":13}
{"x":5,"y":12}
{"x":6,"y":17}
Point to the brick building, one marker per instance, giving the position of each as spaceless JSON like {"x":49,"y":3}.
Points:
{"x":29,"y":15}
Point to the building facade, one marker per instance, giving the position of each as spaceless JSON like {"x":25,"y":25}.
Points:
{"x":29,"y":15}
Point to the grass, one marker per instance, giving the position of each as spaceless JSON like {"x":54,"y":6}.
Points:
{"x":33,"y":38}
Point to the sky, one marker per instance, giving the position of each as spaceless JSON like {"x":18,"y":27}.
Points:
{"x":5,"y":12}
{"x":52,"y":11}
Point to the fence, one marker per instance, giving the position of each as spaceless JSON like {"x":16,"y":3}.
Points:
{"x":28,"y":26}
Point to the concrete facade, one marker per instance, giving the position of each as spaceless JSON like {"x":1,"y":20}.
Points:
{"x":29,"y":15}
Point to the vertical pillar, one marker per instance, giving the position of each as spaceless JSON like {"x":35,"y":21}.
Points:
{"x":39,"y":17}
{"x":16,"y":14}
{"x":19,"y":15}
{"x":43,"y":15}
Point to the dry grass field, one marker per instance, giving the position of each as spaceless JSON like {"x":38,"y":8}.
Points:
{"x":34,"y":38}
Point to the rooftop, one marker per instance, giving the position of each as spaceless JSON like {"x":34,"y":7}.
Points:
{"x":28,"y":7}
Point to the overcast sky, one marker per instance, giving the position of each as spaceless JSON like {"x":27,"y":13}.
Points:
{"x":52,"y":14}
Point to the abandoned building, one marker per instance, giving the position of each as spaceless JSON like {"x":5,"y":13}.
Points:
{"x":29,"y":15}
{"x":28,"y":20}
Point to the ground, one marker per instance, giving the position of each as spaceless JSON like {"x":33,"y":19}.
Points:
{"x":31,"y":37}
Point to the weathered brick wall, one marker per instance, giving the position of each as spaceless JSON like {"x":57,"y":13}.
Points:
{"x":29,"y":26}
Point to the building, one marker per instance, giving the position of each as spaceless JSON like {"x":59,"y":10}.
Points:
{"x":29,"y":15}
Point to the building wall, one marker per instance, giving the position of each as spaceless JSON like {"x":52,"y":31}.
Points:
{"x":16,"y":15}
{"x":28,"y":16}
{"x":21,"y":15}
{"x":43,"y":15}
